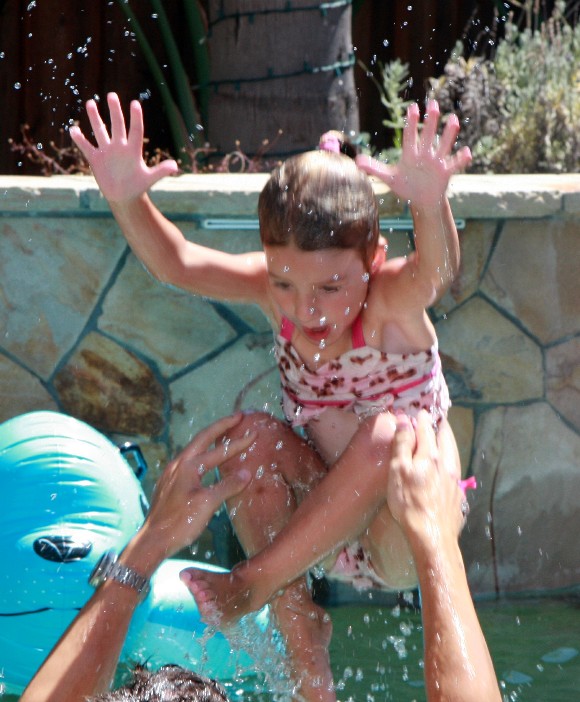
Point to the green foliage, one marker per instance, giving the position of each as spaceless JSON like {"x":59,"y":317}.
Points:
{"x":392,"y":86}
{"x":520,"y":110}
{"x":183,"y":114}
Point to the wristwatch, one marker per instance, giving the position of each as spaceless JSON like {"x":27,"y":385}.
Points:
{"x":109,"y":568}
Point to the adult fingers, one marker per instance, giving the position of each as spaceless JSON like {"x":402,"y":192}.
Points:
{"x":223,"y":452}
{"x":204,"y":438}
{"x":97,"y":124}
{"x":118,"y":130}
{"x":404,"y":440}
{"x":427,"y":450}
{"x":229,"y":486}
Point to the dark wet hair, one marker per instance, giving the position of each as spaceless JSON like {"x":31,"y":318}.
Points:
{"x":171,"y":683}
{"x":319,"y":200}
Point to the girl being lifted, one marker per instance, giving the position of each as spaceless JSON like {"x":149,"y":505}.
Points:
{"x":354,"y":346}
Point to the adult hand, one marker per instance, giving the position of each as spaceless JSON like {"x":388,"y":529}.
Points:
{"x":427,"y":162}
{"x":117,"y":160}
{"x":421,"y":493}
{"x":182,"y":506}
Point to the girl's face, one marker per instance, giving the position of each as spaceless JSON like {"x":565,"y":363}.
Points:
{"x":321,"y":292}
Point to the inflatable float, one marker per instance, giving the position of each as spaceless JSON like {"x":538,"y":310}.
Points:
{"x":67,"y":494}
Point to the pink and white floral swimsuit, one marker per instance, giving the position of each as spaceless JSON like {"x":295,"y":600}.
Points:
{"x":365,"y":381}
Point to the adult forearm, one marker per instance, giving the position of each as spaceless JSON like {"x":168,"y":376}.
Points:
{"x":84,"y":661}
{"x":458,"y":666}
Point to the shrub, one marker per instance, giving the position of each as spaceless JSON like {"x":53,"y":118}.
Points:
{"x":520,"y":109}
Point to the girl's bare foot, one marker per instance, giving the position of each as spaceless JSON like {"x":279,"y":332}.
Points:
{"x":221,"y":598}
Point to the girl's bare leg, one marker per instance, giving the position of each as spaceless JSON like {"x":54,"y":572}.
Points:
{"x":389,"y":549}
{"x":284,"y":467}
{"x":338,"y":509}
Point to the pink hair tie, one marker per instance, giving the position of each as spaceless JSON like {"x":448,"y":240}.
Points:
{"x":468,"y":484}
{"x":329,"y":142}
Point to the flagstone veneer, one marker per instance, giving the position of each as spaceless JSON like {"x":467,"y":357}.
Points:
{"x":86,"y":330}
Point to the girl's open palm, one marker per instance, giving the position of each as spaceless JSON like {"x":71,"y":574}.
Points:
{"x":117,"y":161}
{"x":427,"y":162}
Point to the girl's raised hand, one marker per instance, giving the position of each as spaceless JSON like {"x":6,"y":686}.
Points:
{"x":117,"y":161}
{"x":427,"y":162}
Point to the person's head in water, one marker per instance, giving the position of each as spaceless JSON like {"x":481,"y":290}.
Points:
{"x":171,"y":683}
{"x":320,"y":232}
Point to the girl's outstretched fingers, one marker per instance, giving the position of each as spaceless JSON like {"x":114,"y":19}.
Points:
{"x":118,"y":128}
{"x":430,"y":124}
{"x":411,"y":130}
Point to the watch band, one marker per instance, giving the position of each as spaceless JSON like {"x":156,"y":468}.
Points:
{"x":127,"y":576}
{"x":109,"y":568}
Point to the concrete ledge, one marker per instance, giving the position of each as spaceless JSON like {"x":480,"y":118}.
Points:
{"x":472,"y":196}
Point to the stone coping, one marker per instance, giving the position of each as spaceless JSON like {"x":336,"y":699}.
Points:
{"x":471,"y":196}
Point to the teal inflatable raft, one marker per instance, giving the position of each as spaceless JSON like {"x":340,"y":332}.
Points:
{"x":67,"y":495}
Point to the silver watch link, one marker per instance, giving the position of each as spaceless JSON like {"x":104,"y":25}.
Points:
{"x":109,"y":568}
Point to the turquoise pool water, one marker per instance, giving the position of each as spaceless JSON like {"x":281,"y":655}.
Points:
{"x":535,"y":645}
{"x":377,"y":651}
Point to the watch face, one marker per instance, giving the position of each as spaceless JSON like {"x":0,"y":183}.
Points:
{"x":102,"y":569}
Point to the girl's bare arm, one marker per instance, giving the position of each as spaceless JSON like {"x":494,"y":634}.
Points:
{"x":421,"y":177}
{"x":124,"y":179}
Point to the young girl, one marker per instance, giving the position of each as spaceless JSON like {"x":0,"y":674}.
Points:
{"x":354,"y":346}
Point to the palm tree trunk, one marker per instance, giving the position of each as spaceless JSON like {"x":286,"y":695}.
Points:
{"x":284,"y":66}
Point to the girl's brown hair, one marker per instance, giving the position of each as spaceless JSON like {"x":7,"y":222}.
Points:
{"x":319,"y":200}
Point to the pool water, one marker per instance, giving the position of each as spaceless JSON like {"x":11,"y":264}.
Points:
{"x":377,"y":651}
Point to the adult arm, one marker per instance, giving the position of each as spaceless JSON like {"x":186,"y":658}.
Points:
{"x":84,"y":660}
{"x":426,"y":502}
{"x":124,"y":179}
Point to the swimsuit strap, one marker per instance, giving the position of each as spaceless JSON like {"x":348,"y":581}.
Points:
{"x":358,"y":337}
{"x":286,"y":329}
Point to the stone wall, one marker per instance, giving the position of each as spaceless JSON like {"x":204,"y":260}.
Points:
{"x":87,"y":331}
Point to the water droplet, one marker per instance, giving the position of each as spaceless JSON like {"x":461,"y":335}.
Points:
{"x":17,"y":86}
